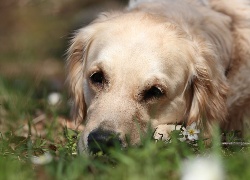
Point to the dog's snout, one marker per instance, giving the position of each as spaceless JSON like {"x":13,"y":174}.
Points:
{"x":102,"y":140}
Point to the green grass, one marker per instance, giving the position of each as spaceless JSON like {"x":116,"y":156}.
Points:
{"x":21,"y":100}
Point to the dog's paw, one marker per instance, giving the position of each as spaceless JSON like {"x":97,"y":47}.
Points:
{"x":162,"y":132}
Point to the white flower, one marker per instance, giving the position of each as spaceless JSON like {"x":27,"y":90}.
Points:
{"x":54,"y":98}
{"x":43,"y":159}
{"x":202,"y":168}
{"x":191,"y":132}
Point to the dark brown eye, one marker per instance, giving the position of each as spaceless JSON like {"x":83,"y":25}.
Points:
{"x":152,"y":93}
{"x":97,"y":78}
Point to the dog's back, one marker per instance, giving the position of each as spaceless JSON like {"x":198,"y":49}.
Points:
{"x":238,"y":75}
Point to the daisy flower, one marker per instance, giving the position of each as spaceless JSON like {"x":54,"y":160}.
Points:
{"x":190,"y":132}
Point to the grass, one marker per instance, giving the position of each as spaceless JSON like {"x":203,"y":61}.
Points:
{"x":22,"y":137}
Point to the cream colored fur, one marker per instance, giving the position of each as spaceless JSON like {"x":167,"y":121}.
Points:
{"x":195,"y":52}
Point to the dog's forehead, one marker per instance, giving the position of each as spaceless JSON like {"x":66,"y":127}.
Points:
{"x":132,"y":49}
{"x":131,"y":43}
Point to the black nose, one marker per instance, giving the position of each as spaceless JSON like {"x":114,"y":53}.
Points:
{"x":102,"y":140}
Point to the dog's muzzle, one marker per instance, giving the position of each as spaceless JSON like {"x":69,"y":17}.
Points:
{"x":103,"y":140}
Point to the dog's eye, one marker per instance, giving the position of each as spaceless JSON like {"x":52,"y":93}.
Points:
{"x":97,"y":78}
{"x":153,"y":92}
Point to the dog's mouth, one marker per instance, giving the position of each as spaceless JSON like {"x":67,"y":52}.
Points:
{"x":101,"y":140}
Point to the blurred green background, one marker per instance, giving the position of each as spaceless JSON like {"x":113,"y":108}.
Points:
{"x":34,"y":35}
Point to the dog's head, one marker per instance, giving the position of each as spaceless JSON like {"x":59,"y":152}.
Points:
{"x":128,"y":71}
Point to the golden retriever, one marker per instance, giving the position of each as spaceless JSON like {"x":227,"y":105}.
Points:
{"x":161,"y":62}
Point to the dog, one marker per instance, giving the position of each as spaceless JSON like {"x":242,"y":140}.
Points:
{"x":160,"y":63}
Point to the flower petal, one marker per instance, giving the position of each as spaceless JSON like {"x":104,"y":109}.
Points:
{"x":185,"y":133}
{"x":192,"y":137}
{"x":196,"y":137}
{"x":193,"y":125}
{"x":196,"y":131}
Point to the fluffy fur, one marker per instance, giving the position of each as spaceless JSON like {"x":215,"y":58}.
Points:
{"x":195,"y":52}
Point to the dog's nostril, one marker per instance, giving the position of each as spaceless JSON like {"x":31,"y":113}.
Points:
{"x":101,"y":140}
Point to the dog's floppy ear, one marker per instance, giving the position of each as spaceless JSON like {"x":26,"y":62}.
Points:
{"x":75,"y":66}
{"x":76,"y":62}
{"x":209,"y":89}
